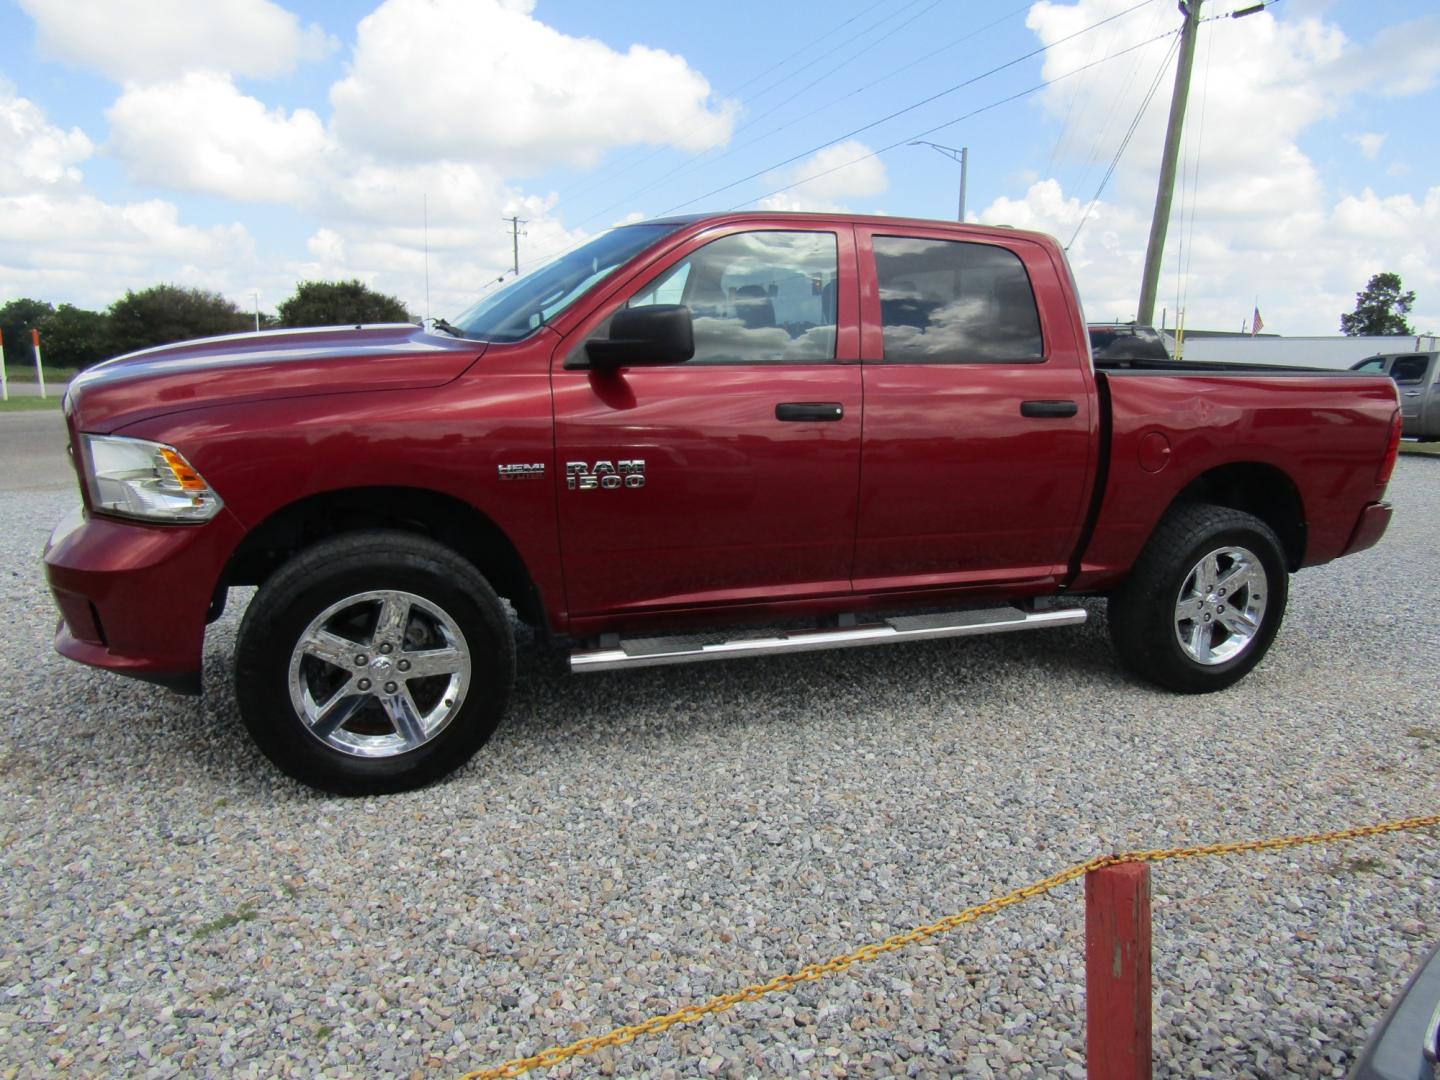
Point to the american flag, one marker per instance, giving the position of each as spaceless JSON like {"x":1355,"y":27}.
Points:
{"x":1256,"y":325}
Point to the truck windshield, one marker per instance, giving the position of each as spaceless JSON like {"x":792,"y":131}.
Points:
{"x":528,"y":303}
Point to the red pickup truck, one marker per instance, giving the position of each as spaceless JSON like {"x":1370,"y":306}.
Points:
{"x":808,"y":431}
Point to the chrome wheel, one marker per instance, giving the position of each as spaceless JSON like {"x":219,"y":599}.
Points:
{"x":1221,"y":605}
{"x":379,"y":673}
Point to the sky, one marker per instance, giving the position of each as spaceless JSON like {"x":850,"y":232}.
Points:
{"x":243,"y":146}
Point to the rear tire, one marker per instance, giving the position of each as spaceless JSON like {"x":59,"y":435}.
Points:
{"x":1204,"y":602}
{"x":373,"y":662}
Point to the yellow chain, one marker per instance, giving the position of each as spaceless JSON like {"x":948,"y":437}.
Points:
{"x":810,"y":972}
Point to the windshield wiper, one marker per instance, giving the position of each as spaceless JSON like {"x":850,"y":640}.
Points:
{"x":441,"y":324}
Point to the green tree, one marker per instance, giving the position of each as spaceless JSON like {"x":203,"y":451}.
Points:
{"x":165,"y":313}
{"x":75,"y":338}
{"x":1380,"y":308}
{"x":340,"y":303}
{"x":17,"y":319}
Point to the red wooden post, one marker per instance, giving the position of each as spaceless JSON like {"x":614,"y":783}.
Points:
{"x":1117,"y":972}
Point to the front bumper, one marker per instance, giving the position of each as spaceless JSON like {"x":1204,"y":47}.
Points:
{"x":133,"y":597}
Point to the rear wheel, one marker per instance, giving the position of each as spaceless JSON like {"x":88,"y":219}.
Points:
{"x":1204,"y":601}
{"x":374,"y":662}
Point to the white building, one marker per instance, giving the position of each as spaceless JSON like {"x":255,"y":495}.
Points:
{"x":1332,"y":352}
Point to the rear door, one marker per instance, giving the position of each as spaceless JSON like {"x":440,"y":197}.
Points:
{"x":1413,"y":378}
{"x":1430,"y":403}
{"x":730,"y":478}
{"x":980,"y":421}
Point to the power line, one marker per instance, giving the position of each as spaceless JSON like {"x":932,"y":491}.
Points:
{"x":699,"y":159}
{"x":908,"y":109}
{"x":632,"y":163}
{"x":1125,"y":142}
{"x":557,"y":252}
{"x":1094,"y":157}
{"x":951,"y":123}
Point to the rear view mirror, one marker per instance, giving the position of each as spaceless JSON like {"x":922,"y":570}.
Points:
{"x":645,"y":336}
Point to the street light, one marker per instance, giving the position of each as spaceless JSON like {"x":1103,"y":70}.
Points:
{"x":256,"y":296}
{"x":962,"y":155}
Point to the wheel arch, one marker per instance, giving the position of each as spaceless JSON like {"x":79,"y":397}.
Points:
{"x":1260,"y":489}
{"x":444,"y":518}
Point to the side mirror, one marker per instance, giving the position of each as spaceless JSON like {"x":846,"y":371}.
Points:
{"x":645,"y":336}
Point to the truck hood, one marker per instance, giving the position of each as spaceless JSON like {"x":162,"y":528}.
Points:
{"x":266,"y":365}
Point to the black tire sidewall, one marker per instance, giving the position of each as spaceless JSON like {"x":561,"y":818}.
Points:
{"x":1143,"y":611}
{"x":285,"y":606}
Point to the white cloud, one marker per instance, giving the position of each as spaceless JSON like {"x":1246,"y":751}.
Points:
{"x":1264,"y":223}
{"x":79,"y":247}
{"x":829,"y":177}
{"x":200,"y":133}
{"x":157,"y":40}
{"x":502,"y":86}
{"x":36,"y":152}
{"x":1369,"y":143}
{"x":377,"y":232}
{"x":1402,"y":59}
{"x":58,"y":241}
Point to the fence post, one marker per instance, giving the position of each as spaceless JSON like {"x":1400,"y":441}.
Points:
{"x":39,"y":366}
{"x":1117,"y":972}
{"x":4,"y":379}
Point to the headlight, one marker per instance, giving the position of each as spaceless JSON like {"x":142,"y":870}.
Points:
{"x":140,"y":479}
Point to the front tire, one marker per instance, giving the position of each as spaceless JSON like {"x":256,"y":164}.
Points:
{"x":1204,"y":601}
{"x":372,"y":663}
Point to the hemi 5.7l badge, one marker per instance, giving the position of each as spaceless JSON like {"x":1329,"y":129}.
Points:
{"x":604,"y":475}
{"x":522,"y":472}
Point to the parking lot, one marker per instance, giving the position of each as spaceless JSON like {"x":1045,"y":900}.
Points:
{"x":629,"y":843}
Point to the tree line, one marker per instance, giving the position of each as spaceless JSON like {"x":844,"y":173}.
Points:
{"x":74,"y":337}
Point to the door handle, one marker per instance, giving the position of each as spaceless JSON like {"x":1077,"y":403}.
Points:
{"x":1412,"y":393}
{"x":1051,"y":409}
{"x":809,"y":410}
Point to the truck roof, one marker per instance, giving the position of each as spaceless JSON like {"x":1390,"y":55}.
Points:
{"x":784,"y":216}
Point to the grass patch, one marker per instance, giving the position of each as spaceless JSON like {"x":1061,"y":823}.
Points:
{"x":1427,"y":448}
{"x":31,"y":404}
{"x":25,"y":373}
{"x":324,"y":1031}
{"x":245,"y":913}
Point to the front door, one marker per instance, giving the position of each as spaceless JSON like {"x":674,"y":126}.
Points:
{"x":731,"y":478}
{"x":979,"y":420}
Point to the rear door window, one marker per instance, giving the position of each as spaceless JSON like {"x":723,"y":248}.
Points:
{"x":954,"y":302}
{"x":1409,"y":369}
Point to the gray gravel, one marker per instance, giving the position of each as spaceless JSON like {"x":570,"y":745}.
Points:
{"x":631,"y":842}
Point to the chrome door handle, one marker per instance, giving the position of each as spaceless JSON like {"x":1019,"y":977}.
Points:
{"x":1412,"y":393}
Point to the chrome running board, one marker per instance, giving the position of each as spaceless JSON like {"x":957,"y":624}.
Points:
{"x":686,"y":649}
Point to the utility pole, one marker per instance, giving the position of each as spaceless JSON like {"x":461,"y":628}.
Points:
{"x":960,"y":154}
{"x":515,"y":224}
{"x":1145,"y":314}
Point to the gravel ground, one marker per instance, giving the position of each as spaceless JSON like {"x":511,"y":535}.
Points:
{"x":631,"y":842}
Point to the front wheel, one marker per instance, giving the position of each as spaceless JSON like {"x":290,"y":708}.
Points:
{"x":1204,"y":601}
{"x":374,"y":662}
